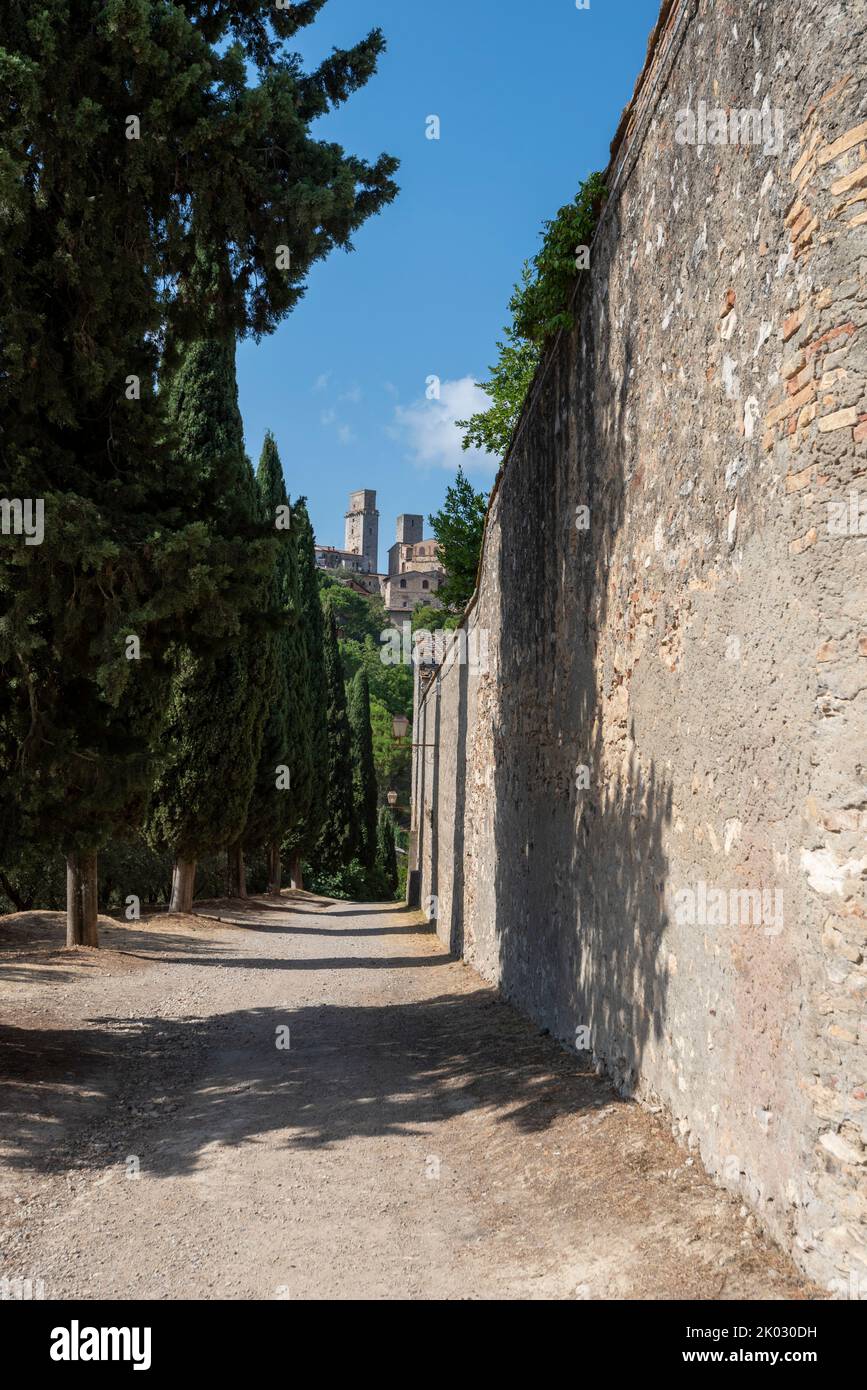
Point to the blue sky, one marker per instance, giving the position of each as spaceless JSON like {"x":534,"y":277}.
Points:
{"x":529,"y":93}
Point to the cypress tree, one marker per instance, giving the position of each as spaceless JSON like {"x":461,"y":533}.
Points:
{"x":285,"y":760}
{"x":258,"y":652}
{"x":309,"y":695}
{"x":131,"y":136}
{"x":364,"y":770}
{"x":386,"y":852}
{"x":338,"y":837}
{"x":214,"y":727}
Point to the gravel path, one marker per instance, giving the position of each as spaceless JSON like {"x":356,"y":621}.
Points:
{"x":417,"y":1138}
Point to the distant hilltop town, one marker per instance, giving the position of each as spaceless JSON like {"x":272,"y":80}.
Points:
{"x":415,"y":571}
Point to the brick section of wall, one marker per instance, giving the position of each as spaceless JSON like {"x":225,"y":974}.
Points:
{"x":701,"y":650}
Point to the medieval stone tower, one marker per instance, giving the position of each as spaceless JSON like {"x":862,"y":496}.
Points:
{"x":361,"y":535}
{"x":410,"y":529}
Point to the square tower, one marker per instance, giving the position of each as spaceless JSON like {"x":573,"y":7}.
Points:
{"x":361,"y":533}
{"x":410,"y":529}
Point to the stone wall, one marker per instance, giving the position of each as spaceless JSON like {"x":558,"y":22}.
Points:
{"x":674,"y":714}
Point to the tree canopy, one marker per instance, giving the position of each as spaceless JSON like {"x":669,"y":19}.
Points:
{"x":357,"y":615}
{"x":459,"y":526}
{"x":539,"y":308}
{"x":159,"y":187}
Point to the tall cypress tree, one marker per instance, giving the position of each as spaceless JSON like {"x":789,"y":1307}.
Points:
{"x":285,"y":760}
{"x":214,"y":729}
{"x":131,"y":136}
{"x":386,"y":852}
{"x":339,"y":834}
{"x":364,"y":769}
{"x":258,"y":651}
{"x":309,"y":695}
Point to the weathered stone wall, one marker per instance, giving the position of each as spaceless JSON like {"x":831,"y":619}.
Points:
{"x":701,"y":649}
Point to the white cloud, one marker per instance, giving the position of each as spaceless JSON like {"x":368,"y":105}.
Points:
{"x":329,"y":420}
{"x":321,"y":381}
{"x":428,"y":427}
{"x":353,"y":395}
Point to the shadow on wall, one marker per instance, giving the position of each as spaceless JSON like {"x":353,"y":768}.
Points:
{"x":456,"y":914}
{"x":581,"y":919}
{"x":580,"y":871}
{"x":428,"y":730}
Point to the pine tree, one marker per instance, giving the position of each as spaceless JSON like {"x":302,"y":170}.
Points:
{"x":309,"y":695}
{"x":386,"y":852}
{"x":285,"y":761}
{"x":213,"y":734}
{"x":132,"y":135}
{"x":339,"y":834}
{"x":364,"y":770}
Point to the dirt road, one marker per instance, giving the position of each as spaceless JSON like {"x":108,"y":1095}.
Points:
{"x":319,"y":1102}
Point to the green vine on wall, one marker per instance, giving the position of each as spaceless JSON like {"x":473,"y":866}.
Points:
{"x":539,"y":308}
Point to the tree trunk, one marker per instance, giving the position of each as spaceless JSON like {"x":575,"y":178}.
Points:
{"x":74,"y":914}
{"x":90,"y":897}
{"x":237,"y":871}
{"x":296,"y":878}
{"x":81,"y":899}
{"x":275,"y":870}
{"x":183,"y":883}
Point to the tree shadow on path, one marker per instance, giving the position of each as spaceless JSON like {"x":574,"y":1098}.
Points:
{"x":167,"y":1089}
